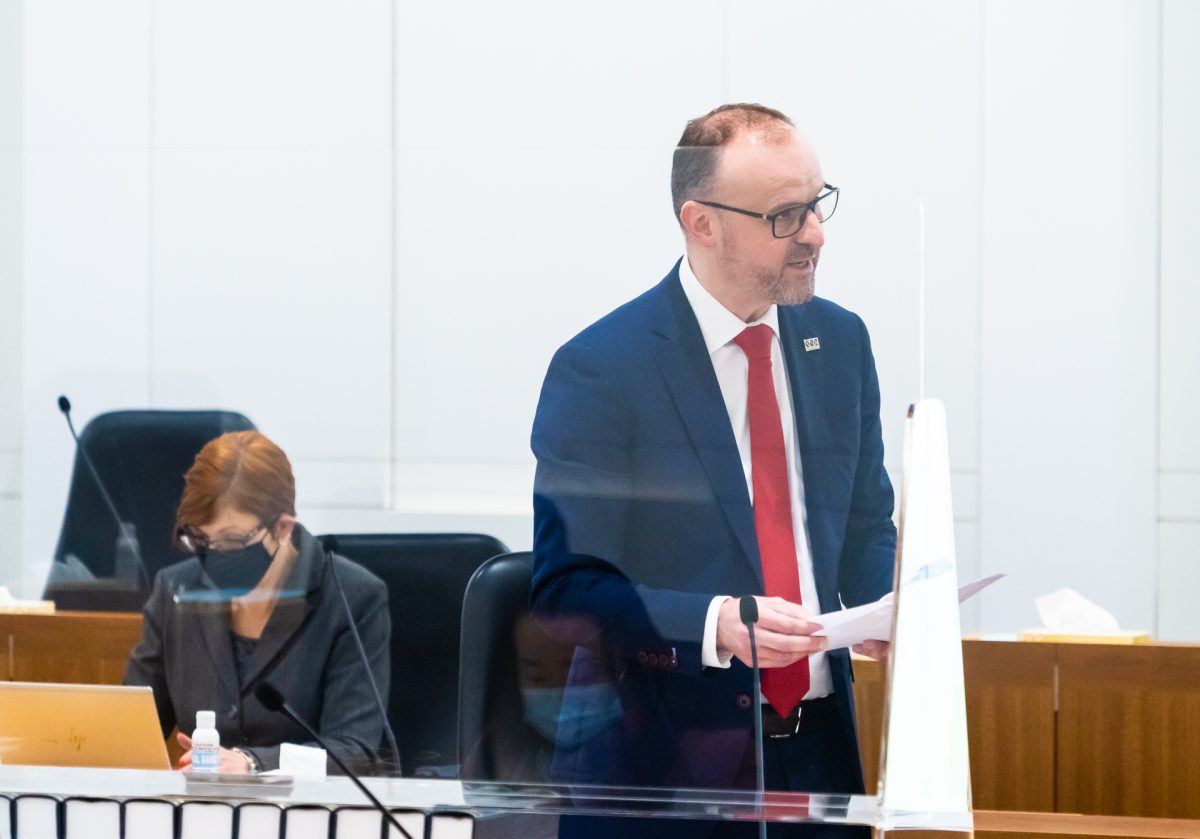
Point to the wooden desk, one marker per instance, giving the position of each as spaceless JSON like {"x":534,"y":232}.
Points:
{"x":1070,"y":728}
{"x":1129,"y":730}
{"x":990,"y":824}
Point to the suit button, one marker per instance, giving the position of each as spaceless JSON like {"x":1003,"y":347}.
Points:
{"x":743,"y":702}
{"x":642,"y":658}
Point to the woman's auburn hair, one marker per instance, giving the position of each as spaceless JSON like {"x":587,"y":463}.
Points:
{"x":243,"y":470}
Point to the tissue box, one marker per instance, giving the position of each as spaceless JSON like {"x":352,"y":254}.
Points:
{"x":27,"y":607}
{"x":1122,"y":636}
{"x":10,"y":605}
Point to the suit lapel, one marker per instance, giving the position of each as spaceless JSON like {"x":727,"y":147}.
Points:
{"x":213,"y":621}
{"x":692,"y":383}
{"x":806,"y":373}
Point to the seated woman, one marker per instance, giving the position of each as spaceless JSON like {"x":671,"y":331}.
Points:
{"x":257,"y":603}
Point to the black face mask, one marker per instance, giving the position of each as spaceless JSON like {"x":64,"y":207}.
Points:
{"x":237,"y":572}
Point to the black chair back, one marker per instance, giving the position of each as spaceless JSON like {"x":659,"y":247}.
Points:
{"x":141,"y":457}
{"x":426,"y":576}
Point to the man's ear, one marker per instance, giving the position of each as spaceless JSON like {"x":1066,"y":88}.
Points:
{"x":698,"y":223}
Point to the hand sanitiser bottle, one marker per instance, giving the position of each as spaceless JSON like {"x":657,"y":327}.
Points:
{"x":206,"y":744}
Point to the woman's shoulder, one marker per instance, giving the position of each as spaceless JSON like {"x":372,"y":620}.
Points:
{"x":357,"y":579}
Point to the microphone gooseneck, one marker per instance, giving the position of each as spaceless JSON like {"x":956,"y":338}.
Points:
{"x":64,"y":405}
{"x":748,"y":609}
{"x":329,"y":544}
{"x":273,"y":700}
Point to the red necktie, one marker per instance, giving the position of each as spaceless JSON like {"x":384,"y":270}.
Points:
{"x":783,"y":687}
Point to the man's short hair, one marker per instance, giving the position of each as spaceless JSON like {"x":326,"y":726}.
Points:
{"x":699,"y":149}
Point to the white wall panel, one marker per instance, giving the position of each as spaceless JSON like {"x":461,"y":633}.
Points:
{"x":272,"y":290}
{"x":532,"y":184}
{"x":85,"y":308}
{"x":342,"y":484}
{"x":539,"y":73}
{"x":11,"y":142}
{"x":1180,"y":310}
{"x":10,"y":543}
{"x":891,"y":104}
{"x":1069,"y":305}
{"x":272,"y":74}
{"x":964,"y":487}
{"x":480,"y":310}
{"x":1179,"y":499}
{"x":467,"y":486}
{"x":1179,"y":580}
{"x":10,"y":471}
{"x":86,"y":73}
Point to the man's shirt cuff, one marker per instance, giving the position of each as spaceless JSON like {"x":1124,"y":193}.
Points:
{"x":709,"y":657}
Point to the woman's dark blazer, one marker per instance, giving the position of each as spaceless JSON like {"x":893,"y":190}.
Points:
{"x":306,"y":651}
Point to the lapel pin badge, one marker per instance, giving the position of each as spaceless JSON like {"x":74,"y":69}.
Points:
{"x":811,"y":344}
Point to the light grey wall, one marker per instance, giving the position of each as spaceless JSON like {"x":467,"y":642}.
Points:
{"x":1179,"y":312}
{"x":1069,"y":311}
{"x":368,"y":226}
{"x":10,"y":290}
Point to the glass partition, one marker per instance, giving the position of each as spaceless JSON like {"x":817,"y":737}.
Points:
{"x":286,"y":241}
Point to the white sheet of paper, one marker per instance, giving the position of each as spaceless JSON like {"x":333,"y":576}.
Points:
{"x":304,"y":761}
{"x":873,"y":621}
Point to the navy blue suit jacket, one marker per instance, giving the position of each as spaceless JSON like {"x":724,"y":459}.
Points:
{"x":642,"y":516}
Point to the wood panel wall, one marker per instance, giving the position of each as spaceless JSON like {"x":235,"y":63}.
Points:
{"x":73,"y":647}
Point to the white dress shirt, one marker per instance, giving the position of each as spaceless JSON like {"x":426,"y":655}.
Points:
{"x":719,"y":326}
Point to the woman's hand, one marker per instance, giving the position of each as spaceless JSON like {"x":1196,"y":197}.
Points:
{"x":232,"y":763}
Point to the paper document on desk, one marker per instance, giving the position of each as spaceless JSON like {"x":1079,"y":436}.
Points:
{"x":873,"y":621}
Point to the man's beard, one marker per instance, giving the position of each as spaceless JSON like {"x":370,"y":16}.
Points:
{"x":784,"y":291}
{"x":774,"y":286}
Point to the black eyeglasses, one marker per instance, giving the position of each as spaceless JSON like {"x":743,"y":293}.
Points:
{"x":196,"y":542}
{"x":787,"y":222}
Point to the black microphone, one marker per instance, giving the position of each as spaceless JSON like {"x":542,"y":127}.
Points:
{"x":329,"y":544}
{"x":64,"y":405}
{"x":748,"y":607}
{"x":273,"y":700}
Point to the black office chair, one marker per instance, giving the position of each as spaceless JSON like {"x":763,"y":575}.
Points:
{"x":426,"y":576}
{"x":141,"y":457}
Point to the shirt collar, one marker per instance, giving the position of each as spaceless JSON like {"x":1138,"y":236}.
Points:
{"x":718,"y":325}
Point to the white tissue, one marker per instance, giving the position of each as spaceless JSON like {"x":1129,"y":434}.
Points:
{"x":301,"y":761}
{"x":1068,"y":611}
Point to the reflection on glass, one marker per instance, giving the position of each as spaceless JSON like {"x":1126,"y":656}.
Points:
{"x":523,"y":732}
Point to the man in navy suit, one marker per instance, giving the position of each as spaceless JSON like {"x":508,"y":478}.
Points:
{"x":717,"y":436}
